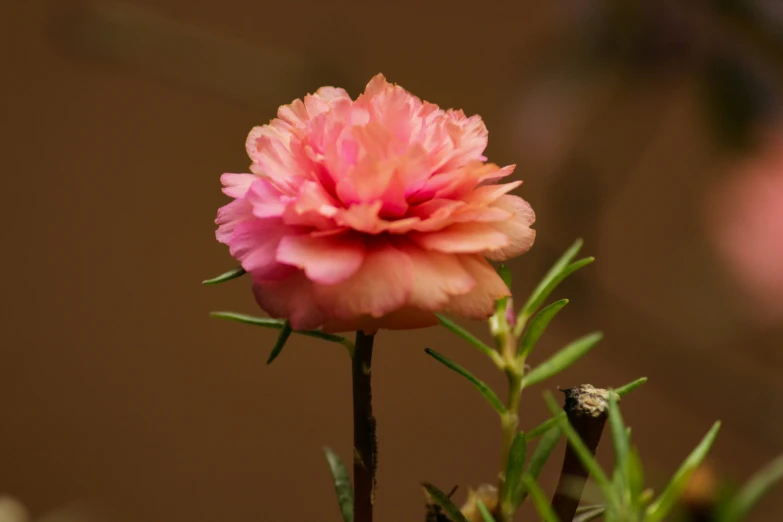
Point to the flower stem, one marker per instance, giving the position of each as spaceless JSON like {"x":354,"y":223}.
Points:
{"x":365,"y":451}
{"x":509,"y":420}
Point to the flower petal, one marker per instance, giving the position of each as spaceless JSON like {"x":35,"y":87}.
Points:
{"x":463,"y":238}
{"x":517,"y":229}
{"x":254,"y":244}
{"x":480,"y":302}
{"x":229,"y":216}
{"x":236,"y":185}
{"x":405,"y":318}
{"x":290,"y":298}
{"x":381,"y":285}
{"x":265,"y":199}
{"x":437,"y":277}
{"x":326,"y":260}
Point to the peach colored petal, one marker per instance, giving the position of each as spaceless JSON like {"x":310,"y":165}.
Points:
{"x":326,"y":260}
{"x":405,"y":318}
{"x":362,"y":217}
{"x":290,"y":298}
{"x":254,"y":244}
{"x":266,"y":199}
{"x":462,"y":238}
{"x":437,"y":277}
{"x":490,"y":193}
{"x":521,"y":237}
{"x":229,"y":216}
{"x":381,"y":285}
{"x":236,"y":185}
{"x":480,"y":302}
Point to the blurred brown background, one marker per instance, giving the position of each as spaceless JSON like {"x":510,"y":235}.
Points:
{"x":119,"y":391}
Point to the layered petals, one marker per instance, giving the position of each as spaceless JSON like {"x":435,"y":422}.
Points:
{"x":373,"y":213}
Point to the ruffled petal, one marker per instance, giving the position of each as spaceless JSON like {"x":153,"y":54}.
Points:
{"x":229,"y":216}
{"x":254,"y":244}
{"x":236,"y":185}
{"x":463,"y":238}
{"x":517,"y":229}
{"x":437,"y":277}
{"x":480,"y":302}
{"x":326,"y":260}
{"x":381,"y":285}
{"x":290,"y":298}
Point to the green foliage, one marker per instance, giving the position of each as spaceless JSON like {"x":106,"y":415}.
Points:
{"x":285,"y":333}
{"x":342,"y":484}
{"x":562,"y":359}
{"x":482,"y":388}
{"x":227,"y":276}
{"x":443,"y":500}
{"x":538,"y":326}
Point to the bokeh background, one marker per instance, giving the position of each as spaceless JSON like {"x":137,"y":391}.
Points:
{"x":649,"y":128}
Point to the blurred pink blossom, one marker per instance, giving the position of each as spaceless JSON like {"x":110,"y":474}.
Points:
{"x":746,"y":222}
{"x":372,"y":213}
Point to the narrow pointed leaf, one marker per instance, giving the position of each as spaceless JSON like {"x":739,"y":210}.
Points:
{"x":545,"y":426}
{"x":587,"y":458}
{"x":538,"y":326}
{"x":443,"y":500}
{"x":505,"y":274}
{"x":539,"y":499}
{"x":285,"y":333}
{"x":540,"y":456}
{"x":486,"y":516}
{"x":620,"y":441}
{"x":758,"y":485}
{"x":514,"y":469}
{"x":562,"y":359}
{"x":591,"y":513}
{"x":228,"y":276}
{"x":342,"y":484}
{"x":483,"y":389}
{"x":469,"y":337}
{"x":661,"y":507}
{"x":559,"y":271}
{"x":631,"y":386}
{"x":278,"y":325}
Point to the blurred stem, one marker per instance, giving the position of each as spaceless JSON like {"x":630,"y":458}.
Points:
{"x":365,"y":452}
{"x":509,"y":420}
{"x":586,"y":408}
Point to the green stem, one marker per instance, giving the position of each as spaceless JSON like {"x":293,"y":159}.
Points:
{"x":365,"y":450}
{"x":509,"y":420}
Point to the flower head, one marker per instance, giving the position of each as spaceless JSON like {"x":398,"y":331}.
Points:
{"x":372,"y":213}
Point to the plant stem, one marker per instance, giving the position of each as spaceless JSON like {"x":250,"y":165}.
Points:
{"x":586,"y":408}
{"x":365,"y":451}
{"x":509,"y":420}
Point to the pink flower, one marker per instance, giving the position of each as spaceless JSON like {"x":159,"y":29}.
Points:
{"x":373,"y":213}
{"x":746,"y":221}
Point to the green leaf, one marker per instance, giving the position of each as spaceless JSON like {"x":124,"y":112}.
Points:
{"x":342,"y":484}
{"x":562,"y":359}
{"x":228,"y":276}
{"x":486,"y":516}
{"x":469,"y":337}
{"x":545,"y":426}
{"x":540,"y":456}
{"x":514,"y":469}
{"x":441,"y":499}
{"x":539,"y":499}
{"x":755,"y":488}
{"x":538,"y":326}
{"x":285,"y":333}
{"x":661,"y":507}
{"x":589,"y":513}
{"x":505,"y":275}
{"x":635,"y":478}
{"x":584,"y":455}
{"x":559,"y":271}
{"x":620,"y":441}
{"x":631,"y":386}
{"x":278,"y":324}
{"x":483,"y":389}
